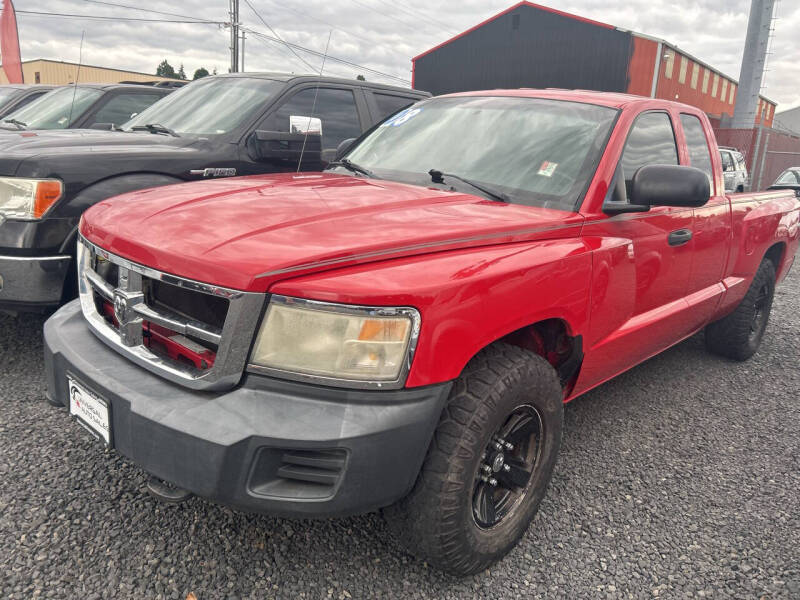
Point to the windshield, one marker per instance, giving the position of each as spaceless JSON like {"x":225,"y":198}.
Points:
{"x":537,"y":152}
{"x":790,"y":177}
{"x":56,"y":110}
{"x":209,"y":106}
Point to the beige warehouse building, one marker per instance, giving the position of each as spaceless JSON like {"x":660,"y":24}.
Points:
{"x":55,"y":72}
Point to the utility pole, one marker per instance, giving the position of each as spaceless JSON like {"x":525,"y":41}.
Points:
{"x":755,"y":55}
{"x":241,"y":66}
{"x":234,"y":13}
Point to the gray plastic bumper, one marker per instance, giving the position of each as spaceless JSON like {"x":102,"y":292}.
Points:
{"x":268,"y":445}
{"x":32,"y":280}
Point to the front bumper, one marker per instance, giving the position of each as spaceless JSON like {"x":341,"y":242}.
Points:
{"x":268,"y":446}
{"x":32,"y":281}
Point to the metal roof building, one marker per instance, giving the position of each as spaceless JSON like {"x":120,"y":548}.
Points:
{"x":56,"y":72}
{"x":528,"y":45}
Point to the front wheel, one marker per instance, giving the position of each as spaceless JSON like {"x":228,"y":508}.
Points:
{"x":739,"y":335}
{"x":488,"y":465}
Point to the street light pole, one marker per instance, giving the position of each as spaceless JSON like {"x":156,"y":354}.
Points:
{"x":241,"y":66}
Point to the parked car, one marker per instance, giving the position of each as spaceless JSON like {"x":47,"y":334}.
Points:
{"x":84,"y":106}
{"x":734,"y":170}
{"x":790,"y":178}
{"x":403,"y":329}
{"x":215,"y":127}
{"x":15,"y":96}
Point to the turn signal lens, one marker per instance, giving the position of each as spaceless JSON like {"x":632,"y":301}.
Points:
{"x":47,"y":193}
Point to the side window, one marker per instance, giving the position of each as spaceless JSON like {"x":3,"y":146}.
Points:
{"x":740,"y":164}
{"x":697,"y":144}
{"x":122,"y":107}
{"x":651,"y":141}
{"x":727,"y":161}
{"x":336,"y":109}
{"x":388,"y":104}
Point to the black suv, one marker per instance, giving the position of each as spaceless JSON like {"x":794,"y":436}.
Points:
{"x":84,"y":105}
{"x":219,"y":126}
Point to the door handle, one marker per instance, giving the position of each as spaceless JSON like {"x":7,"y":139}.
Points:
{"x":679,"y":237}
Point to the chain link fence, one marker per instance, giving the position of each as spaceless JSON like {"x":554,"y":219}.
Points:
{"x":768,"y":152}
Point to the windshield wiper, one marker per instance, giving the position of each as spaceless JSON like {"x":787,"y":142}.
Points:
{"x":155,"y":128}
{"x":19,"y":124}
{"x":351,"y":166}
{"x":438,"y":177}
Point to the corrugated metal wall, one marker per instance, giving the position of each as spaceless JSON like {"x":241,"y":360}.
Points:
{"x":528,"y":47}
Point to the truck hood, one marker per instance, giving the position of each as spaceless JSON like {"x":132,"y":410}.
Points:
{"x":16,"y":146}
{"x":248,"y":232}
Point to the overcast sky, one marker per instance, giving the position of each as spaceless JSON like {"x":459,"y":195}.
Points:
{"x":382,"y":34}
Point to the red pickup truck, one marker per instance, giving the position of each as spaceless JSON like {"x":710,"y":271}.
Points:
{"x":402,"y":330}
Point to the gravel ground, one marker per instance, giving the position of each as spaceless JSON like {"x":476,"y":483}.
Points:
{"x":678,"y":479}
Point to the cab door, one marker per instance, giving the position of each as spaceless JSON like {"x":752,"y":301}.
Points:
{"x":641,"y":266}
{"x":712,"y":229}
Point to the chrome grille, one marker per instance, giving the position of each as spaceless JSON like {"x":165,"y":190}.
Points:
{"x":131,"y":306}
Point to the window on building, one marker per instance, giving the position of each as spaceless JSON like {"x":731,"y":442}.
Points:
{"x":651,"y":141}
{"x":714,"y":86}
{"x":684,"y":66}
{"x":669,"y":64}
{"x":697,"y":144}
{"x":695,"y":75}
{"x":724,"y":92}
{"x":731,"y":94}
{"x":706,"y":75}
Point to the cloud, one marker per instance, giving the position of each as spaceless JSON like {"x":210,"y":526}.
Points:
{"x":383,"y":34}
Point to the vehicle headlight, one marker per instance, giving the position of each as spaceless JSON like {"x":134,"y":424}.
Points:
{"x":372,"y":345}
{"x":28,"y":198}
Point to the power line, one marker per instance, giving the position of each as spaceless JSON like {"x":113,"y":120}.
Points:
{"x":333,"y":58}
{"x":104,"y":18}
{"x":149,"y":10}
{"x":275,"y":33}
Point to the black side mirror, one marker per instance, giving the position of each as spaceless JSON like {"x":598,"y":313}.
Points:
{"x":663,"y":185}
{"x":287,"y":147}
{"x":343,"y":147}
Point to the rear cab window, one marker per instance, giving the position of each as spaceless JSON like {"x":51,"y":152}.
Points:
{"x":697,"y":145}
{"x":388,"y":104}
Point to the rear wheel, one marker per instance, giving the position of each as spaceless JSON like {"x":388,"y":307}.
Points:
{"x":739,"y":335}
{"x":489,"y":463}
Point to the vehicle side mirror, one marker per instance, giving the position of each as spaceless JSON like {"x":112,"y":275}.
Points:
{"x":343,"y":147}
{"x":659,"y":185}
{"x":102,"y":126}
{"x":287,"y":147}
{"x":670,"y":185}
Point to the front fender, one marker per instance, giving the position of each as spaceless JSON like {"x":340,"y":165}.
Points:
{"x":468,"y":298}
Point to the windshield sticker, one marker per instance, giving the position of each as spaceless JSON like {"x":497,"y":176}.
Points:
{"x":404,"y":116}
{"x":547,"y":169}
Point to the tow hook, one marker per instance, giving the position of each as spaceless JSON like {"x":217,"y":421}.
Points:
{"x":166,"y":492}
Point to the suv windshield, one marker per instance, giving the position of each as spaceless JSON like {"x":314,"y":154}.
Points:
{"x":535,"y":151}
{"x":208,"y":106}
{"x":56,"y":109}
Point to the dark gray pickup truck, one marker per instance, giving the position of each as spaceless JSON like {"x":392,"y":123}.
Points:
{"x":219,"y":126}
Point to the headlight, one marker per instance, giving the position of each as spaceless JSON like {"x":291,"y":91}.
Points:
{"x":371,"y":345}
{"x":28,"y":198}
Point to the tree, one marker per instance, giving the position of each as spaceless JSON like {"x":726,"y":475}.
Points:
{"x":361,"y":78}
{"x":165,"y":69}
{"x":181,"y":73}
{"x":200,"y":73}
